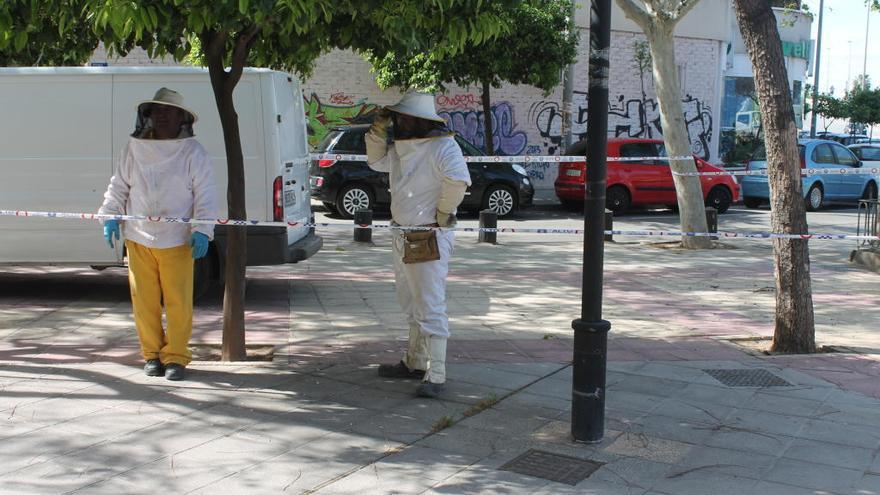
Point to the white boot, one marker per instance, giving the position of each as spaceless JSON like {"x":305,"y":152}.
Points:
{"x":435,"y":378}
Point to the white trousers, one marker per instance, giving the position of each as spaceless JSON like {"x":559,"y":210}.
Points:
{"x":421,"y":287}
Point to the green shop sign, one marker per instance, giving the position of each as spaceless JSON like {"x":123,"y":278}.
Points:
{"x":799,"y":49}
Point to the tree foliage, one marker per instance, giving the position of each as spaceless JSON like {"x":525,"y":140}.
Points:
{"x":864,"y":105}
{"x":537,"y":43}
{"x":44,"y":32}
{"x":538,"y":40}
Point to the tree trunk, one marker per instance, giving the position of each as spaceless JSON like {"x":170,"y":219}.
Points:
{"x":794,"y":332}
{"x":692,"y":211}
{"x":223,"y":84}
{"x":487,"y":119}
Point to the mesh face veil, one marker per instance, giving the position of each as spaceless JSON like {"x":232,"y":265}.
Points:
{"x":143,"y":124}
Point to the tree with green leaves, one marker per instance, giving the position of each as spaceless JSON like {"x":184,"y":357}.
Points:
{"x":47,"y":33}
{"x":830,"y":107}
{"x":278,"y":34}
{"x":540,"y":41}
{"x":864,"y":106}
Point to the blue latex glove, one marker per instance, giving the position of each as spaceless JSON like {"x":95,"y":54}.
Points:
{"x":111,"y":231}
{"x":199,"y":243}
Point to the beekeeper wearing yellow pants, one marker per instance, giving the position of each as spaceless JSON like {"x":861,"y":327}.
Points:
{"x":428,"y":178}
{"x":162,"y":172}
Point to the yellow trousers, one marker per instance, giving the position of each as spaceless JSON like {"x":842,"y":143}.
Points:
{"x":156,"y":276}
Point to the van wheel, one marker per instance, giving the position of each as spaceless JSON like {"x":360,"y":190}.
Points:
{"x":719,"y":198}
{"x":752,"y":202}
{"x":815,"y":197}
{"x":500,"y":200}
{"x":353,"y":198}
{"x":870,"y":191}
{"x":617,"y":200}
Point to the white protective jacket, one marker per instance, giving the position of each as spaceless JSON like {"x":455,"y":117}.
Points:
{"x":167,"y":178}
{"x":417,"y":169}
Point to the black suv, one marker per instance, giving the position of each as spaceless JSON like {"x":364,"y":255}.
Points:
{"x":347,"y":185}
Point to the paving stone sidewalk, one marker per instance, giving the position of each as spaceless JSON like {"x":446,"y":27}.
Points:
{"x":78,"y":416}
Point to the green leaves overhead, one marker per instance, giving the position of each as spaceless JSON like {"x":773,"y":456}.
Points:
{"x":44,"y":32}
{"x":534,"y":41}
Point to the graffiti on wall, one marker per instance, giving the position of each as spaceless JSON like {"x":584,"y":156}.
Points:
{"x":633,"y":117}
{"x":468,"y":122}
{"x":340,"y":110}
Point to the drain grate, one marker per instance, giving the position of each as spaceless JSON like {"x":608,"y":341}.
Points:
{"x":748,"y":378}
{"x":552,"y":467}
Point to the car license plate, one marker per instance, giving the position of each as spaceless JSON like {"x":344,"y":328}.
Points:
{"x":289,"y":198}
{"x":573,"y":173}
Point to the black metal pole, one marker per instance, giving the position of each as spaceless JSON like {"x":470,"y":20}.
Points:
{"x":590,"y":330}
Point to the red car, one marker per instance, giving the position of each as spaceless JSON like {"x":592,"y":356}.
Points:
{"x":640,"y":182}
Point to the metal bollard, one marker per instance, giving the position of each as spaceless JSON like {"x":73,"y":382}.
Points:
{"x":363,"y":234}
{"x":488,"y":219}
{"x":609,"y":224}
{"x":712,"y":221}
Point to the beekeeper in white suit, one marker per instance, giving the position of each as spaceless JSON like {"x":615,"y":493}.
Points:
{"x":428,"y":178}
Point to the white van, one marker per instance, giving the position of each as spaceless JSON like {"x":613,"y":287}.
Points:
{"x":61,"y":128}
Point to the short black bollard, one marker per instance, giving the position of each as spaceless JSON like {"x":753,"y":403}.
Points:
{"x":488,"y":220}
{"x":609,"y":225}
{"x":712,"y":222}
{"x":363,"y":234}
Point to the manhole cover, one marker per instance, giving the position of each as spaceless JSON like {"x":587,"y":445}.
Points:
{"x":748,"y":378}
{"x":552,"y":467}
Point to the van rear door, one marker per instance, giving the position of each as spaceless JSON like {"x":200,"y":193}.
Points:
{"x":294,"y":154}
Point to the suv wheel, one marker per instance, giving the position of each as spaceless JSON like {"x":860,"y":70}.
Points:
{"x":500,"y":200}
{"x":353,"y":198}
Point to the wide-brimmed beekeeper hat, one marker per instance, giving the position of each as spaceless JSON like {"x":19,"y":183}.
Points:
{"x":420,"y":105}
{"x":168,"y":97}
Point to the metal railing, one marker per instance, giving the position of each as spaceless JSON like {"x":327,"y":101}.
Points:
{"x":868,"y":222}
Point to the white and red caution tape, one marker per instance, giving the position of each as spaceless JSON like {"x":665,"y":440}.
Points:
{"x":569,"y":159}
{"x":511,"y":230}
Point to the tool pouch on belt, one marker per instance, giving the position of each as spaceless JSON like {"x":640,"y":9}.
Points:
{"x":420,"y":246}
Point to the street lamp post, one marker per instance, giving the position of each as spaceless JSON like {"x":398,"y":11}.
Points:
{"x":816,"y":73}
{"x":590,"y":330}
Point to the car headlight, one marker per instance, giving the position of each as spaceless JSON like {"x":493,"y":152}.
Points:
{"x":519,"y":169}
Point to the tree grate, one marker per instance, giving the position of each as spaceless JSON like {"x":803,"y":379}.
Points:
{"x":552,"y":467}
{"x":747,"y":378}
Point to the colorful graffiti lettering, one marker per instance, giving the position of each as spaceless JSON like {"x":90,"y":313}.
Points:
{"x":506,"y":139}
{"x":466,"y":100}
{"x":341,"y":99}
{"x":636,"y":117}
{"x":322,"y":116}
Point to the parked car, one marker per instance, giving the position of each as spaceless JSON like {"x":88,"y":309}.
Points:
{"x":349,"y":185}
{"x":818,"y":189}
{"x":844,"y":139}
{"x":640,"y":182}
{"x":868,"y":153}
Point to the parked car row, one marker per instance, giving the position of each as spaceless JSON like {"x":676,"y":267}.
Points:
{"x":819,"y":189}
{"x":346,"y":186}
{"x":640,"y":181}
